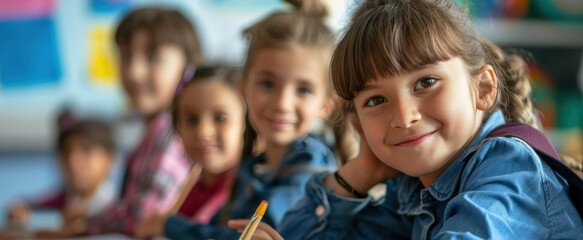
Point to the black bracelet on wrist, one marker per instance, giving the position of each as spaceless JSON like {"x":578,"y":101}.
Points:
{"x":347,"y":186}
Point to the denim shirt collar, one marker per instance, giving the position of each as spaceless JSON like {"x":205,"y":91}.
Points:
{"x":296,"y":147}
{"x":253,"y":164}
{"x":445,"y":185}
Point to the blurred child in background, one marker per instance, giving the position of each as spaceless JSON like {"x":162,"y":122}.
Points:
{"x":155,"y":45}
{"x":86,"y":152}
{"x":286,"y":87}
{"x":208,"y":112}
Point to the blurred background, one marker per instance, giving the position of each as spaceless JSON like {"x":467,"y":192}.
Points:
{"x":60,"y":53}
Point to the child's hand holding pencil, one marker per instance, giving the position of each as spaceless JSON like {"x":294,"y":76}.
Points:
{"x":254,"y":228}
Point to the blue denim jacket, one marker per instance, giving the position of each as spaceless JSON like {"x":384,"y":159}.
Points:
{"x":503,"y":191}
{"x":282,"y":188}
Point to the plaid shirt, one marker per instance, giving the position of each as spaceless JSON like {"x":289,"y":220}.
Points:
{"x":156,"y":170}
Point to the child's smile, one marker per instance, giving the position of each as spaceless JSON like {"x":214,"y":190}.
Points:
{"x":211,"y":123}
{"x":150,"y":76}
{"x":280,"y":123}
{"x":417,"y":122}
{"x":415,"y":140}
{"x":206,"y":149}
{"x":286,"y":91}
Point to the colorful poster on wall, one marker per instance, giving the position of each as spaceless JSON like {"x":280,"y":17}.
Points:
{"x":29,"y":52}
{"x":109,"y":6}
{"x":102,"y":59}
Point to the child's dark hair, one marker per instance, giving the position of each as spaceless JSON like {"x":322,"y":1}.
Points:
{"x":386,"y":38}
{"x":163,"y":26}
{"x":97,"y":132}
{"x":305,"y":27}
{"x":221,"y":73}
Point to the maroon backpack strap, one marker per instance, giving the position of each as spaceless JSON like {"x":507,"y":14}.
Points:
{"x":543,"y":147}
{"x":535,"y":138}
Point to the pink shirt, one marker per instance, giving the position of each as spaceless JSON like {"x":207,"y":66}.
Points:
{"x":202,"y":203}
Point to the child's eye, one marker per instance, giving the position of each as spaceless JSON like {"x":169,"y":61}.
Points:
{"x":304,"y":91}
{"x":266,"y":84}
{"x":425,"y":83}
{"x":376,"y":100}
{"x":191,"y":120}
{"x":220,"y":118}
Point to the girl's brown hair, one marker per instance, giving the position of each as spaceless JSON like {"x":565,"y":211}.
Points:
{"x":216,"y":73}
{"x":305,"y":27}
{"x":97,"y":132}
{"x":386,"y":38}
{"x":163,"y":26}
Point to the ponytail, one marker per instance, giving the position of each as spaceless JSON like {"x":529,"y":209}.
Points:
{"x":514,"y":85}
{"x":310,"y":7}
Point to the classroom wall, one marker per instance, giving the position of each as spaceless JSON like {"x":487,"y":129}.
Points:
{"x":70,"y":60}
{"x":57,"y":53}
{"x":71,"y":57}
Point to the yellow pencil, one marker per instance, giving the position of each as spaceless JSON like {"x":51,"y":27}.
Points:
{"x":254,"y":222}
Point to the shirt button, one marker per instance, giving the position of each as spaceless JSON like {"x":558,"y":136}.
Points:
{"x":320,"y":210}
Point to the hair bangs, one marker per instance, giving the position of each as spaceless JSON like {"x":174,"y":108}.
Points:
{"x":388,"y":41}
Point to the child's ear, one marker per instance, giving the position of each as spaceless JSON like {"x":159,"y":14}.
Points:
{"x":327,"y":108}
{"x":487,"y":88}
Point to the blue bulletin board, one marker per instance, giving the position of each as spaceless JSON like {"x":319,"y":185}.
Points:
{"x":29,"y":53}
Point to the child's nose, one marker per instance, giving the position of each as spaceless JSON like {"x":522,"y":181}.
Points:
{"x":284,"y":101}
{"x":405,"y":114}
{"x":206,"y":130}
{"x":137,"y":69}
{"x":74,"y":160}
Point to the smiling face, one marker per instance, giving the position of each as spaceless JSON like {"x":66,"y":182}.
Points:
{"x":150,"y":76}
{"x":286,"y":91}
{"x":211,"y":123}
{"x":417,"y":122}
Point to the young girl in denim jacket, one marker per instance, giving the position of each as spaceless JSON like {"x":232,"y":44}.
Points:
{"x":286,"y":87}
{"x":427,"y":91}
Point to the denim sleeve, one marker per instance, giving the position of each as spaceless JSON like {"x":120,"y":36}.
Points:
{"x":502,"y":195}
{"x":179,"y":228}
{"x":324,"y":215}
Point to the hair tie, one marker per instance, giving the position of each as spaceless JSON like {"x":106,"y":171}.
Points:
{"x":187,"y":75}
{"x":66,"y":122}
